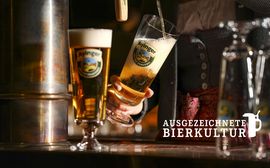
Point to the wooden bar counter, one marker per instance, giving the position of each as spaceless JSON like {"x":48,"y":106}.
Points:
{"x":129,"y":154}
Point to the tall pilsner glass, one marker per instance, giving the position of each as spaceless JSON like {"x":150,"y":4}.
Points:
{"x":89,"y":66}
{"x":151,"y":46}
{"x":259,"y":38}
{"x":236,"y":90}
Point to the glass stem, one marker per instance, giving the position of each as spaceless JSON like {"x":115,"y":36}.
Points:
{"x":89,"y":141}
{"x":89,"y":132}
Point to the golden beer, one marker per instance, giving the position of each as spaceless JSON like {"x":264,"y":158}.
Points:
{"x":89,"y":65}
{"x":144,"y":61}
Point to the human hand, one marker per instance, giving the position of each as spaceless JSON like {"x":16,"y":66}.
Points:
{"x":116,"y":105}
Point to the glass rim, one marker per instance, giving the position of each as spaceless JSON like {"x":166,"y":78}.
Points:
{"x":88,"y":29}
{"x":173,"y":26}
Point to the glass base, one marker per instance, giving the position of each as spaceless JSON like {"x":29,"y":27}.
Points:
{"x":261,"y":146}
{"x":127,"y":95}
{"x":223,"y":147}
{"x":89,"y":141}
{"x":229,"y":148}
{"x":260,"y":152}
{"x":120,"y":118}
{"x":90,"y":145}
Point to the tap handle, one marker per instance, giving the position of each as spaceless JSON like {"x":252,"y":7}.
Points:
{"x":121,"y":10}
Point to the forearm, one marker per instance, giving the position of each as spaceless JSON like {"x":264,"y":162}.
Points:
{"x":260,"y":6}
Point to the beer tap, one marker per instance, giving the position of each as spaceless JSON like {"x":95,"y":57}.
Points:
{"x":121,"y":10}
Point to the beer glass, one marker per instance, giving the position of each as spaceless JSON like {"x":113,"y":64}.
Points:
{"x":154,"y":39}
{"x":262,"y":141}
{"x":89,"y":67}
{"x":259,"y":38}
{"x":236,"y":87}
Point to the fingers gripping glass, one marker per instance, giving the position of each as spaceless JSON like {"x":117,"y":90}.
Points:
{"x":118,"y":117}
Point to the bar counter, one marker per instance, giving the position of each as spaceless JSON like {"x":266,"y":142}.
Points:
{"x":129,"y":154}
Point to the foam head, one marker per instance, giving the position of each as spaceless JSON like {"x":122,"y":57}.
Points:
{"x":90,"y":37}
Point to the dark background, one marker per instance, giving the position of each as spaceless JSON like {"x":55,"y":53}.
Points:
{"x":101,"y":14}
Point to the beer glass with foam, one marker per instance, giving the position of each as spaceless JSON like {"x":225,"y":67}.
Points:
{"x":89,"y":67}
{"x":152,"y":44}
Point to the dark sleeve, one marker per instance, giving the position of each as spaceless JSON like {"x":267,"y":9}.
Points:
{"x":150,"y":103}
{"x":145,"y":109}
{"x":259,"y":6}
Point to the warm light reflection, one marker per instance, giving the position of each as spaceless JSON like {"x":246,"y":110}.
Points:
{"x":50,"y":47}
{"x":50,"y":122}
{"x":250,"y":83}
{"x":260,"y":73}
